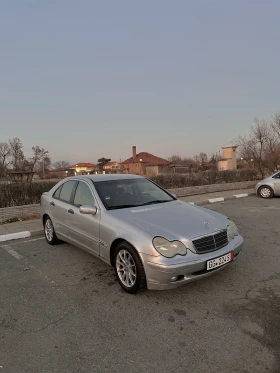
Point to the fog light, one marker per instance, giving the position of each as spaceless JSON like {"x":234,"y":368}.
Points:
{"x":177,"y":278}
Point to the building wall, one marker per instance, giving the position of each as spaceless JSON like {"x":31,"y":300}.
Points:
{"x":80,"y":170}
{"x":114,"y":166}
{"x":135,"y":168}
{"x":162,"y":170}
{"x":223,"y":165}
{"x":152,"y":171}
{"x":229,"y":153}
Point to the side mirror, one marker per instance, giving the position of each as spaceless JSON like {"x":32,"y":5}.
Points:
{"x":88,"y":210}
{"x":173,"y":195}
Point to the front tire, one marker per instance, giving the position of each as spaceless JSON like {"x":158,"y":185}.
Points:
{"x":50,"y":232}
{"x":265,"y":192}
{"x":129,"y":268}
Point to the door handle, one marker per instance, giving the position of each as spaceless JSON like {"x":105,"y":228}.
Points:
{"x":71,"y":211}
{"x":52,"y":204}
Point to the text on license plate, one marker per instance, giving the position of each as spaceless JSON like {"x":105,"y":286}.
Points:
{"x":220,"y":261}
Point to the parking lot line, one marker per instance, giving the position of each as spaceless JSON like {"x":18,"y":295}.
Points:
{"x":11,"y":251}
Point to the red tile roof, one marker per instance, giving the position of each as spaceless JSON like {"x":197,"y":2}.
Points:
{"x":146,"y":158}
{"x":85,"y":164}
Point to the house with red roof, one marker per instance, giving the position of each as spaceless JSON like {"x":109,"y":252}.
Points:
{"x":112,"y":167}
{"x":84,"y":168}
{"x":144,"y":163}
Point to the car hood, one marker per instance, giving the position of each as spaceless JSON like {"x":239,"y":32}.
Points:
{"x":173,"y":220}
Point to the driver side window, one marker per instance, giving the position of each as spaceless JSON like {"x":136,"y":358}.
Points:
{"x":83,"y":195}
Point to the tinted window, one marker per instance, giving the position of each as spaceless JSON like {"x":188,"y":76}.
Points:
{"x":132,"y":192}
{"x":66,"y":190}
{"x":83,"y":195}
{"x":57,"y":192}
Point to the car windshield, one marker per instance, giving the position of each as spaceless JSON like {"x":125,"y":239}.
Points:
{"x":124,"y":193}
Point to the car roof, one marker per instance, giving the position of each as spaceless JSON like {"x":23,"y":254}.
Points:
{"x":106,"y":177}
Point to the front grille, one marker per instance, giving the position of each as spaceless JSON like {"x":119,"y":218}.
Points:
{"x":210,"y":243}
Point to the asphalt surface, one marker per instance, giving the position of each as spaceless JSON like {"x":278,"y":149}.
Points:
{"x":61,"y":309}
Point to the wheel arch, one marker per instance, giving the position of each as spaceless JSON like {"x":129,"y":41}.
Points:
{"x":114,"y":245}
{"x":44,"y":217}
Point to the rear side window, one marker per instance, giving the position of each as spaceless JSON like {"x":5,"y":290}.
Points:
{"x":66,"y":191}
{"x":83,"y":195}
{"x":57,"y":193}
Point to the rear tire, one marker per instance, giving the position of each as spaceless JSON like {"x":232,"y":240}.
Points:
{"x":129,"y":269}
{"x":50,"y":232}
{"x":265,"y":192}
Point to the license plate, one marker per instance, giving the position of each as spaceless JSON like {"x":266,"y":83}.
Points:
{"x":220,"y":261}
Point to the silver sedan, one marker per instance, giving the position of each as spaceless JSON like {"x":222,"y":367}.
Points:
{"x":151,"y":239}
{"x":269,"y":187}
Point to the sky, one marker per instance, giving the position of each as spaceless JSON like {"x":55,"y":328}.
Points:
{"x":89,"y":79}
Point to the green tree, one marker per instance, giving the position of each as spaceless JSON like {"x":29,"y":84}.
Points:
{"x":101,"y":162}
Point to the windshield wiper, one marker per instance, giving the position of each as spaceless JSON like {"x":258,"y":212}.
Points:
{"x":121,"y":207}
{"x":156,"y":201}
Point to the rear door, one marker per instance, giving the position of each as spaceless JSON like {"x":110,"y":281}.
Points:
{"x":59,"y":206}
{"x":84,"y":229}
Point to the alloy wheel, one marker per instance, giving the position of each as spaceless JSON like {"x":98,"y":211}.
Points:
{"x":49,"y":230}
{"x":126,"y":268}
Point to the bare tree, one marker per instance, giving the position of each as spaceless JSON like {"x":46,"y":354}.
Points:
{"x":18,"y":158}
{"x":262,"y":146}
{"x":276,"y":123}
{"x":179,"y":160}
{"x":5,"y":152}
{"x":39,"y":155}
{"x":60,"y":165}
{"x":201,"y":158}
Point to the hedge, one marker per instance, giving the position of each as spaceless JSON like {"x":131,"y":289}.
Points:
{"x":203,"y":178}
{"x":29,"y":193}
{"x":23,"y":193}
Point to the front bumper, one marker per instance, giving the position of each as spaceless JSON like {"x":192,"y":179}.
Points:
{"x":160,"y":275}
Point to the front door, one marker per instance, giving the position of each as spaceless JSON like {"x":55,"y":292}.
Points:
{"x":84,"y":229}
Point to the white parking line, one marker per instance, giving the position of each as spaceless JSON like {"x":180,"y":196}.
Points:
{"x":16,"y":255}
{"x":33,"y":240}
{"x":241,"y":195}
{"x":11,"y":251}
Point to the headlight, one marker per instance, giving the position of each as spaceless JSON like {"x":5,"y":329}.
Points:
{"x":232,"y":230}
{"x":169,"y":248}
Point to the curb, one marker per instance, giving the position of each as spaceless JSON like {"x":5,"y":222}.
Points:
{"x":221,"y":199}
{"x":18,"y":235}
{"x":14,"y":236}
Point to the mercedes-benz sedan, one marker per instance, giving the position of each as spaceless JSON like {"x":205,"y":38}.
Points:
{"x":150,"y":238}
